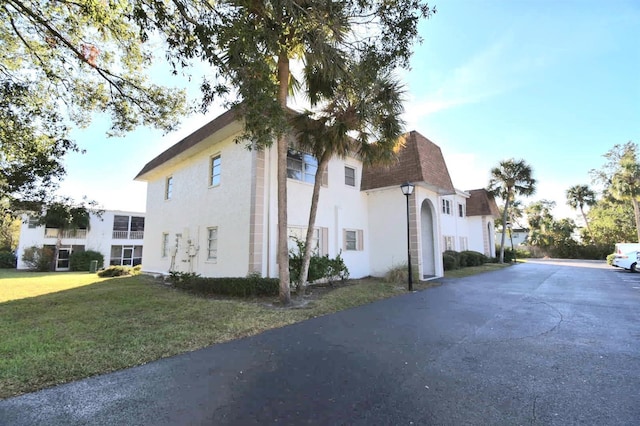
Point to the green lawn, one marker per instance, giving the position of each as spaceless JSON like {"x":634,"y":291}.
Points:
{"x":20,"y":284}
{"x":59,"y":327}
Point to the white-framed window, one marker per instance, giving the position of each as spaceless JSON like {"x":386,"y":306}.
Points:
{"x":460,"y":209}
{"x":301,"y":166}
{"x":32,"y":222}
{"x":126,"y":255}
{"x":349,"y":176}
{"x":212,"y":243}
{"x":464,"y":244}
{"x":449,"y":243}
{"x":353,"y":240}
{"x":215,"y":167}
{"x":168,"y":188}
{"x":165,"y":244}
{"x":446,"y":206}
{"x":319,"y":242}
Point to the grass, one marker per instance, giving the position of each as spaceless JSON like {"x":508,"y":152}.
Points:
{"x":59,"y":327}
{"x":473,"y":270}
{"x":20,"y":284}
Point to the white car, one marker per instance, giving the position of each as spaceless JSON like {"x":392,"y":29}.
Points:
{"x":628,"y":261}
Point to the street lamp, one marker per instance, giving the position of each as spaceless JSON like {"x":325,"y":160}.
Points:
{"x":407,"y":189}
{"x":513,"y":251}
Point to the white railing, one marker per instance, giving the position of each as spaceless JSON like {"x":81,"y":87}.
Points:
{"x":128,"y":235}
{"x":67,"y":233}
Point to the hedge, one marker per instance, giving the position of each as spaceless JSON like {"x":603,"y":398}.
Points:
{"x":252,"y":286}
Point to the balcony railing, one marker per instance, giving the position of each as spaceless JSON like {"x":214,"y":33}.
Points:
{"x":128,"y":235}
{"x":66,"y":233}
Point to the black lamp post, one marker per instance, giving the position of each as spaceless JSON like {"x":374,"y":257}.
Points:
{"x":407,"y":189}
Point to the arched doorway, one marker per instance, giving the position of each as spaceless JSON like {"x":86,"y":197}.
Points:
{"x":427,"y":240}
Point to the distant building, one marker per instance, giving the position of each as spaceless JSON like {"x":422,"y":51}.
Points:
{"x":118,"y":235}
{"x":212,"y":208}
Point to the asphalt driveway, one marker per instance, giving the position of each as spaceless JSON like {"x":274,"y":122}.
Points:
{"x":535,"y":344}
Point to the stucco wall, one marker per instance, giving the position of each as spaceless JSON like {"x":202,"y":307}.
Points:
{"x":195,"y":206}
{"x":340,"y":207}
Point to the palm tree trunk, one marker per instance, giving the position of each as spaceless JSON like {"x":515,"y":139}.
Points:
{"x":306,"y":260}
{"x":505,"y":213}
{"x":282,"y":146}
{"x":586,"y":222}
{"x":636,"y":211}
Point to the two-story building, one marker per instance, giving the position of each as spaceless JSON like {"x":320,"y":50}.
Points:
{"x":118,"y":235}
{"x":212,"y":207}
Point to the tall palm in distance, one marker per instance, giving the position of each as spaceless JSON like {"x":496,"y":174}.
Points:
{"x":579,"y":196}
{"x":509,"y":179}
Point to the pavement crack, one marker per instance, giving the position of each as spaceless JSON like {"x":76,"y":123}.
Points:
{"x":533,"y":410}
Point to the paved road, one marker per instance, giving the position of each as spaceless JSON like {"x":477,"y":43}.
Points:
{"x":545,"y":343}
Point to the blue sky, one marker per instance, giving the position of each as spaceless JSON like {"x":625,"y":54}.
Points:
{"x":556,"y":83}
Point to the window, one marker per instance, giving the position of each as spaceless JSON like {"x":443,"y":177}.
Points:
{"x":33,"y":222}
{"x":460,"y":210}
{"x":349,"y":176}
{"x":212,"y":243}
{"x":126,"y":255}
{"x":319,"y":242}
{"x":464,"y":244}
{"x":168,"y":189}
{"x":214,"y":170}
{"x":301,"y":166}
{"x":131,"y":227}
{"x":449,"y":243}
{"x":446,"y":206}
{"x":352,"y":239}
{"x":165,"y":244}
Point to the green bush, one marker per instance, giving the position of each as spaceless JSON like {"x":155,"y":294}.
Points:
{"x":81,"y":260}
{"x":7,"y":260}
{"x":320,"y":267}
{"x":118,"y":271}
{"x":449,"y":262}
{"x":251,"y":286}
{"x":473,"y":258}
{"x":38,"y":258}
{"x":610,"y":258}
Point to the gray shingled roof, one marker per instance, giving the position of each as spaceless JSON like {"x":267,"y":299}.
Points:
{"x":420,"y":160}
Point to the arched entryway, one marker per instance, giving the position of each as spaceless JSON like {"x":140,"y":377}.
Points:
{"x":427,"y":240}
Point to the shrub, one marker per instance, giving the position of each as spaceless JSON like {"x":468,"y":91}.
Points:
{"x":8,"y":260}
{"x":251,"y":286}
{"x":449,"y":262}
{"x":320,"y":267}
{"x":610,"y":258}
{"x":81,"y":260}
{"x":456,"y":257}
{"x":473,"y":258}
{"x":38,"y":258}
{"x":117,"y":271}
{"x":400,"y":274}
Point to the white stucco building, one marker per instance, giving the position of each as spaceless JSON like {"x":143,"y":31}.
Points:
{"x":212,"y":208}
{"x":118,"y":235}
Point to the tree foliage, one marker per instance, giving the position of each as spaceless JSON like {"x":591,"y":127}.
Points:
{"x":620,"y":178}
{"x":62,"y":61}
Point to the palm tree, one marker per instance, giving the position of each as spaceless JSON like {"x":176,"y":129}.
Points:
{"x":625,"y":184}
{"x":510,"y":178}
{"x":361,"y":117}
{"x":579,"y":196}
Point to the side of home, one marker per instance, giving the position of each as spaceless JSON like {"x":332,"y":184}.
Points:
{"x":212,"y":207}
{"x":118,"y":235}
